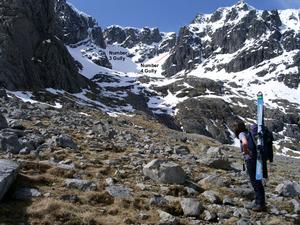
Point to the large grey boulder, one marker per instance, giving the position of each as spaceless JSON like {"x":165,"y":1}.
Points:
{"x":191,"y":207}
{"x":8,"y":173}
{"x":216,"y":158}
{"x":165,"y":172}
{"x":288,"y":189}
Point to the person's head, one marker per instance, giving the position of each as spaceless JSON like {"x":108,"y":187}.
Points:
{"x":238,"y":127}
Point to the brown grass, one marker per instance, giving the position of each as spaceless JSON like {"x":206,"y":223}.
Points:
{"x":29,"y":180}
{"x":99,"y":198}
{"x":59,"y":172}
{"x":49,"y":211}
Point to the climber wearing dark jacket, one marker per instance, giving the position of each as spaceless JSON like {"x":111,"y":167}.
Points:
{"x":249,"y":151}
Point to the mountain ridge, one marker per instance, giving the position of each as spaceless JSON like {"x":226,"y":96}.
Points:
{"x":220,"y":59}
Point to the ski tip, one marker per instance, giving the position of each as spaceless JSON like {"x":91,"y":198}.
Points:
{"x":260,"y":94}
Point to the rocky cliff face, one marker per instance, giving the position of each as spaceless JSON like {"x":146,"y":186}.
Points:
{"x":143,"y":44}
{"x":75,"y":28}
{"x":129,"y":37}
{"x":31,"y":57}
{"x":246,"y":35}
{"x":185,"y":55}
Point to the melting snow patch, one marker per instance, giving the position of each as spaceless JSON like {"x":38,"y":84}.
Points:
{"x":84,"y":114}
{"x":25,"y":96}
{"x":289,"y":153}
{"x":57,"y":105}
{"x":55,"y":91}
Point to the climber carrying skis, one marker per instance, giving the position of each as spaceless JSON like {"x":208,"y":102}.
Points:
{"x":250,"y":156}
{"x":256,"y":154}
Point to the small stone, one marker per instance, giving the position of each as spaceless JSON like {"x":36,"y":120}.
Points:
{"x":70,"y":198}
{"x":210,"y":216}
{"x":158,"y":200}
{"x":83,"y":185}
{"x":142,"y":186}
{"x":212,"y":197}
{"x":167,"y":219}
{"x":47,"y":195}
{"x":119,"y":191}
{"x":275,"y":211}
{"x":296,"y":204}
{"x":244,"y":221}
{"x":111,"y":162}
{"x":15,"y":124}
{"x":144,"y":216}
{"x":191,"y":191}
{"x":181,"y":150}
{"x":288,"y":189}
{"x":66,"y":141}
{"x":227,"y":200}
{"x":24,"y":151}
{"x":109,"y":181}
{"x":241,"y":212}
{"x":128,"y":221}
{"x":191,"y":207}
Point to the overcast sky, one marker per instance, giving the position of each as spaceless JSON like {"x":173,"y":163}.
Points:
{"x":168,"y":15}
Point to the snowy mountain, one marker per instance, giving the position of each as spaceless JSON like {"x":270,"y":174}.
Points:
{"x":199,"y":80}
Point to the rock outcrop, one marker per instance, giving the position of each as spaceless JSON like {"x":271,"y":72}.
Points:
{"x":185,"y":55}
{"x":130,"y":37}
{"x":31,"y":56}
{"x":164,"y":172}
{"x":146,"y":42}
{"x":73,"y":26}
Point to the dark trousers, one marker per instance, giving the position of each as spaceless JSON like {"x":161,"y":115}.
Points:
{"x":256,"y":184}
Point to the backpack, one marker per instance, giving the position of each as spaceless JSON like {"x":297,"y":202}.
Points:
{"x":268,"y":139}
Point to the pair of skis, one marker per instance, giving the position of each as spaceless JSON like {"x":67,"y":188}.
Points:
{"x":260,"y":134}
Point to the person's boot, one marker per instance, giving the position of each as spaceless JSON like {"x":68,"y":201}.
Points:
{"x":259,"y":208}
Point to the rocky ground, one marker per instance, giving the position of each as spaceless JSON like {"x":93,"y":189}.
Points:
{"x":80,"y":166}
